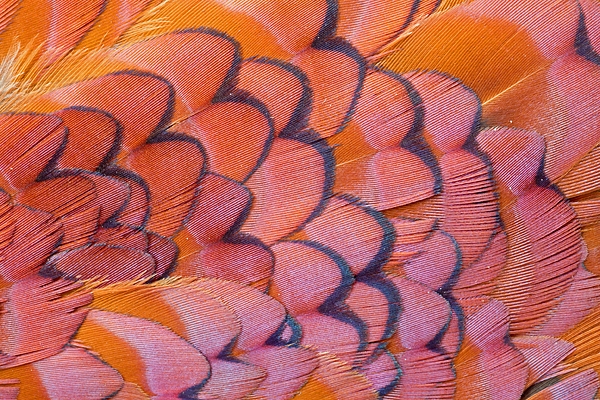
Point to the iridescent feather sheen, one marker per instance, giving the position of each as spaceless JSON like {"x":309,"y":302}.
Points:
{"x":324,"y":199}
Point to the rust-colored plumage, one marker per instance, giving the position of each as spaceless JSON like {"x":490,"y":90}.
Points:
{"x":325,"y":199}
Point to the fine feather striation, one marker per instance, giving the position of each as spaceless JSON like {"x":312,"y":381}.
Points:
{"x":350,"y":199}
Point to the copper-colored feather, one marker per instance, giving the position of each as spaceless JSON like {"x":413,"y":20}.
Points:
{"x":327,"y":199}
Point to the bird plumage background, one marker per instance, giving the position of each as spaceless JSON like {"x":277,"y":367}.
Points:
{"x":307,"y":199}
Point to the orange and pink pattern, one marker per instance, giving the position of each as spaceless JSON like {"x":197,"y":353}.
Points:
{"x":325,"y":199}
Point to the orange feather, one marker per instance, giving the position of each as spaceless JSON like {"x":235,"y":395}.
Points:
{"x":327,"y":199}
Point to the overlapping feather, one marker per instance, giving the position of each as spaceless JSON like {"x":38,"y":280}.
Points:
{"x":324,"y":199}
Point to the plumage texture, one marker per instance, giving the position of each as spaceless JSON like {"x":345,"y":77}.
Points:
{"x":325,"y":199}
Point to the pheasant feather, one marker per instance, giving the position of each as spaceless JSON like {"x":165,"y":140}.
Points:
{"x":325,"y":199}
